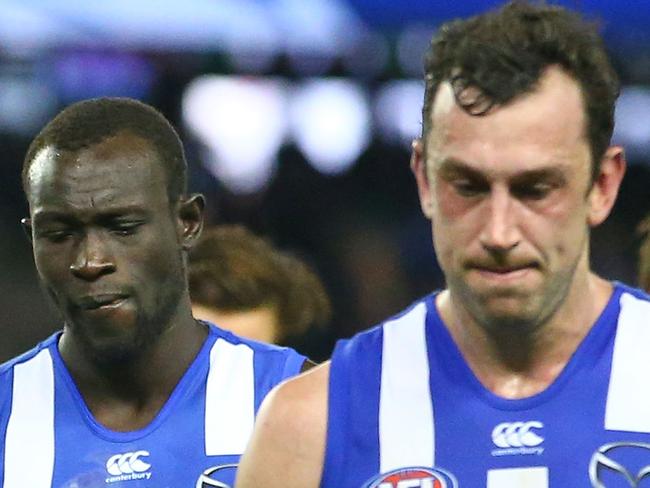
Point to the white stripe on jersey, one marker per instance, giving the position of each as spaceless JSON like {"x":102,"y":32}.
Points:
{"x":29,"y":445}
{"x":628,"y":398}
{"x":406,"y":431}
{"x":229,"y":399}
{"x":518,"y":478}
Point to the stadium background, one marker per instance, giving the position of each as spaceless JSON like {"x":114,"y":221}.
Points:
{"x":297,"y":117}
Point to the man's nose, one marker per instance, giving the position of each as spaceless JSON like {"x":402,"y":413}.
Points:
{"x":500,"y":232}
{"x":93,"y":259}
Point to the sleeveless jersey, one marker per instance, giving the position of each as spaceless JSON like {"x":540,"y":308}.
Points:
{"x":405,"y":410}
{"x":49,"y":438}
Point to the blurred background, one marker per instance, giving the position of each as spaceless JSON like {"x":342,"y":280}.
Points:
{"x":297,"y":117}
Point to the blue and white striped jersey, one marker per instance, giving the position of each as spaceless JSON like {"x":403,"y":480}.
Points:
{"x":405,"y":410}
{"x":49,"y":438}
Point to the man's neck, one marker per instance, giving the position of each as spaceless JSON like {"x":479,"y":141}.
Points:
{"x":128,"y":394}
{"x":519,"y":362}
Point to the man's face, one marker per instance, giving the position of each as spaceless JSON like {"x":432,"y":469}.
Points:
{"x":508,"y":195}
{"x":106,"y":242}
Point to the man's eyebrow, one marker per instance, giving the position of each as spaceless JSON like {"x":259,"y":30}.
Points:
{"x":50,"y":216}
{"x":556,"y":173}
{"x":456,"y":167}
{"x":108,"y":214}
{"x":114,"y":213}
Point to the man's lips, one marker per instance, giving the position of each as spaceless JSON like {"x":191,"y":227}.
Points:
{"x":504,"y":272}
{"x":101,"y":301}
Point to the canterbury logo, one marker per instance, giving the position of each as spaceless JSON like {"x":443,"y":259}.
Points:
{"x":517,"y":434}
{"x":127,"y":463}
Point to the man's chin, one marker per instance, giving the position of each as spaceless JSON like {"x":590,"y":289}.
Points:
{"x":117,"y":351}
{"x":105,"y":344}
{"x":507,"y":313}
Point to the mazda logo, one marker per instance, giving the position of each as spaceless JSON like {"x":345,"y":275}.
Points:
{"x":208,"y":479}
{"x":603,"y":461}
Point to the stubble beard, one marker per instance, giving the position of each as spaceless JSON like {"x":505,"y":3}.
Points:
{"x":150,"y":324}
{"x":525,"y":322}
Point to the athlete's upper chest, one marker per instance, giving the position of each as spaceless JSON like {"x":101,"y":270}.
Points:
{"x":89,"y":455}
{"x":589,"y":427}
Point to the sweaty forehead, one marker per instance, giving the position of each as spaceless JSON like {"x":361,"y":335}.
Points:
{"x":41,"y":168}
{"x":120,"y":167}
{"x":546,"y":123}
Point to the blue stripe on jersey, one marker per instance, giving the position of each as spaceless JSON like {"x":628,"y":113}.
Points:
{"x":267,"y":372}
{"x":354,"y":433}
{"x":6,"y":386}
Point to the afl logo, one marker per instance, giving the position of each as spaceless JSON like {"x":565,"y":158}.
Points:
{"x":414,"y":477}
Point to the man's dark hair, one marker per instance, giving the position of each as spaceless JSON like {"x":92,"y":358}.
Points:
{"x":234,"y":270}
{"x":89,"y":122}
{"x":492,"y":58}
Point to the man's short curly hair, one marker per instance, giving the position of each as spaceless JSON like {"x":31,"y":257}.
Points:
{"x":492,"y":58}
{"x":89,"y":122}
{"x":233,"y":270}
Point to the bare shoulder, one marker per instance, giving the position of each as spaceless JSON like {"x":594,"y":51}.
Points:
{"x":288,"y":445}
{"x":297,"y":406}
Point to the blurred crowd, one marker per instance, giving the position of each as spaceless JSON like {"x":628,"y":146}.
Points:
{"x":360,"y":230}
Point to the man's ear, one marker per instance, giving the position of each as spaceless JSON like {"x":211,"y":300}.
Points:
{"x":190,"y":215}
{"x":419,"y":169}
{"x":604,"y":191}
{"x":26,"y":224}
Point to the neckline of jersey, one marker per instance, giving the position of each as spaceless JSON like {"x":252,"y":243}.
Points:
{"x":178,"y":392}
{"x":442,"y":348}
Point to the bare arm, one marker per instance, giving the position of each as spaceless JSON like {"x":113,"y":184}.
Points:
{"x":288,"y":445}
